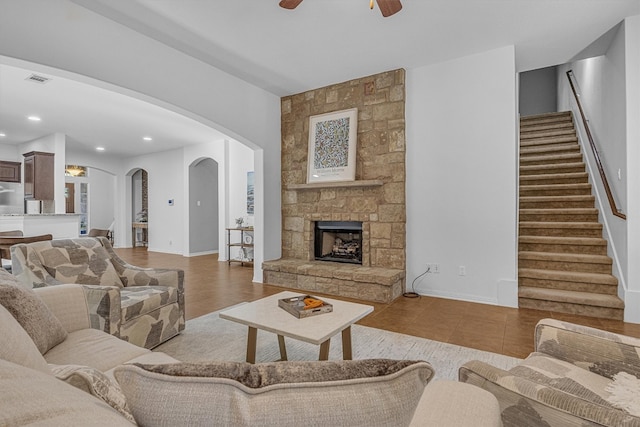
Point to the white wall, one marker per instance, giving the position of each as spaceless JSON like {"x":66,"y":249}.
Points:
{"x":242,"y":160}
{"x":632,"y":78}
{"x":166,"y":223}
{"x":462,"y":177}
{"x":82,"y":45}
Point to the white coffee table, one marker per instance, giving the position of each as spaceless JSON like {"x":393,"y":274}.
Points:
{"x":266,"y":315}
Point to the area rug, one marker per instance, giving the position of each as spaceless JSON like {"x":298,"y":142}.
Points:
{"x":211,"y":338}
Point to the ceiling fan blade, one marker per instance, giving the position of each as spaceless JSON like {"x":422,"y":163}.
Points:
{"x":389,"y":7}
{"x":290,"y":4}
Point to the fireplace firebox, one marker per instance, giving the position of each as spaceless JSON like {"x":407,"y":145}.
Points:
{"x":338,"y":241}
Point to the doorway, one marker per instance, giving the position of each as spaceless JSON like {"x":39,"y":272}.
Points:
{"x":140,"y":208}
{"x":204,"y":207}
{"x":69,"y":197}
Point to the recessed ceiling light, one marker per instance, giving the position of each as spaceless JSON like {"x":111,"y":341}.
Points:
{"x":99,"y":148}
{"x":147,"y":138}
{"x":2,"y":134}
{"x":34,"y":118}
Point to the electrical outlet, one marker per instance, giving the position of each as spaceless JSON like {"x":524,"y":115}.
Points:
{"x":462,"y":270}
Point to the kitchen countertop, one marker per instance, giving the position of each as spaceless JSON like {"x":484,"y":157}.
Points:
{"x":41,"y":214}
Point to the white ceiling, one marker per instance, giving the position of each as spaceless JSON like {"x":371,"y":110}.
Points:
{"x":286,"y":52}
{"x":90,"y":117}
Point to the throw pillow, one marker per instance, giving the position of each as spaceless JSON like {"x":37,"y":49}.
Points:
{"x":31,"y":312}
{"x":17,"y":346}
{"x":95,"y":383}
{"x":345,"y":393}
{"x":625,"y":389}
{"x":32,"y":398}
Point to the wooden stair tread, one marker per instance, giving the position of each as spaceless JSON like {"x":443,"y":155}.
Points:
{"x":535,"y":126}
{"x":536,"y":149}
{"x":573,"y":297}
{"x":584,"y":241}
{"x":569,"y":186}
{"x":551,"y":157}
{"x":570,"y":147}
{"x":551,"y":166}
{"x":569,"y":276}
{"x":578,"y":198}
{"x":554,"y":175}
{"x":549,"y":140}
{"x":560,"y":224}
{"x":568,"y":211}
{"x":544,"y":116}
{"x":565,"y":257}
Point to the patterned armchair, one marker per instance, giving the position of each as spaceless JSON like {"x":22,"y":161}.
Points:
{"x":577,"y":376}
{"x":143,"y":306}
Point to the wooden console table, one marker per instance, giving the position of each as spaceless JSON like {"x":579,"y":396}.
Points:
{"x":246,"y":241}
{"x":134,"y":227}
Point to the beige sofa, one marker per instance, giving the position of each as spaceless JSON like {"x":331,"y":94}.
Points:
{"x":144,"y":306}
{"x":56,"y":370}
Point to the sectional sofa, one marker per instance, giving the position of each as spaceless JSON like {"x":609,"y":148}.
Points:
{"x":55,"y":370}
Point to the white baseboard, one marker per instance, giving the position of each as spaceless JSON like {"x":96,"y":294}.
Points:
{"x":201,"y":253}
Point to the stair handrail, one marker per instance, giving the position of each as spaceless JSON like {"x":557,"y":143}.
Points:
{"x":612,"y":203}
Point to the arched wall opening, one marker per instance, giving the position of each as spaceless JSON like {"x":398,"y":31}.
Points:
{"x":203,"y":212}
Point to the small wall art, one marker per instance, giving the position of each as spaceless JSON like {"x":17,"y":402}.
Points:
{"x":332,"y":146}
{"x":250,"y":193}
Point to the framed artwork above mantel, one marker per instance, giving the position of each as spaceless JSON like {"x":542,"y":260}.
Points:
{"x":332,"y":146}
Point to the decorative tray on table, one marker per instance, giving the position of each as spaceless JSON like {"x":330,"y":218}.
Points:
{"x":305,"y":306}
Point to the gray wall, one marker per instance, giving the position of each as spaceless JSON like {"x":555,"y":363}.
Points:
{"x":203,"y":218}
{"x":602,"y":83}
{"x":538,"y":92}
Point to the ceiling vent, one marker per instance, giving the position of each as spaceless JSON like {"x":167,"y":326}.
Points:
{"x":38,"y":79}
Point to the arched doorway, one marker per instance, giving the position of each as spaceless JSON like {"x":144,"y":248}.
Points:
{"x":140,"y":208}
{"x":204,"y":207}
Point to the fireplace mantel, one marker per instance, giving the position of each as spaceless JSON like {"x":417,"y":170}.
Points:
{"x":340,"y":184}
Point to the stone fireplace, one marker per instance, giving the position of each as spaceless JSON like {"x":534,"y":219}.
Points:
{"x":375,"y":200}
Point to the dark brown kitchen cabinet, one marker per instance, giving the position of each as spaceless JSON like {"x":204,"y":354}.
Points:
{"x":38,"y":175}
{"x":9,"y":171}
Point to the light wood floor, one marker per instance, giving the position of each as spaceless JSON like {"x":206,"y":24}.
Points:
{"x":211,"y":285}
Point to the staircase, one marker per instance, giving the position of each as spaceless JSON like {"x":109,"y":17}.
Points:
{"x":562,"y":261}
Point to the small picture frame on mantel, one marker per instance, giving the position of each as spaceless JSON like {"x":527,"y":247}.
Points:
{"x":332,"y":146}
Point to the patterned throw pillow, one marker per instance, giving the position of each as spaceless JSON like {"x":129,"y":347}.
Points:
{"x":31,"y":312}
{"x":377,"y":392}
{"x":95,"y":383}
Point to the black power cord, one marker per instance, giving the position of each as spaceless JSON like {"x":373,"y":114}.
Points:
{"x":413,"y":293}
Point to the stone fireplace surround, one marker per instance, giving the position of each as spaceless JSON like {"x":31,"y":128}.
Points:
{"x":376,"y":198}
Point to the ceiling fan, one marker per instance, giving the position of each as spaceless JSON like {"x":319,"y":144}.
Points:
{"x":387,"y":7}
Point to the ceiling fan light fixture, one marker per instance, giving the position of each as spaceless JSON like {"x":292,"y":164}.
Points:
{"x":387,"y":7}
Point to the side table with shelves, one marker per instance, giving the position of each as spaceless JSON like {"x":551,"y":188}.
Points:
{"x":245,"y":245}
